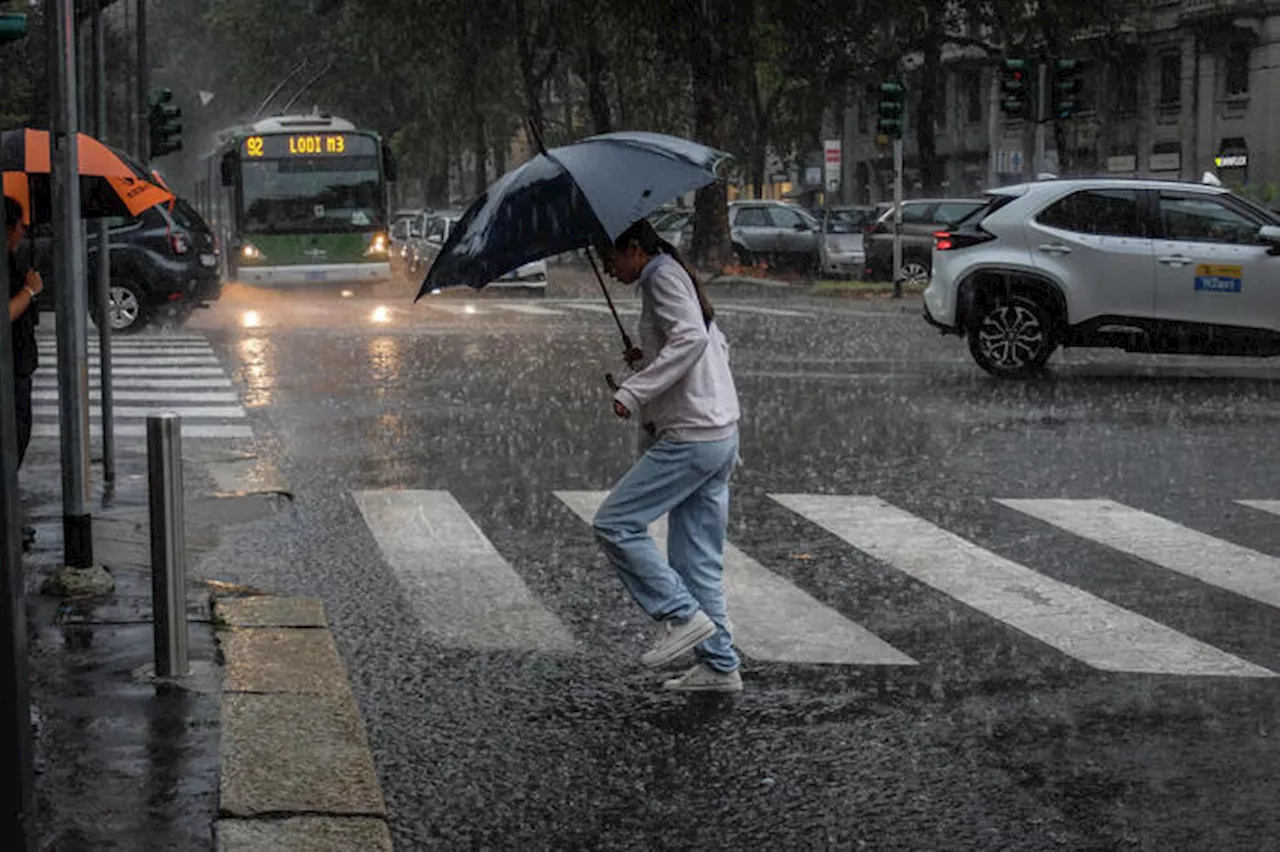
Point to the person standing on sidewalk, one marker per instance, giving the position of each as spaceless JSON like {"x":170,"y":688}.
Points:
{"x":683,"y":386}
{"x":23,"y":290}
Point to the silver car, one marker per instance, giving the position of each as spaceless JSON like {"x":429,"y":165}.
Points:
{"x":773,"y":231}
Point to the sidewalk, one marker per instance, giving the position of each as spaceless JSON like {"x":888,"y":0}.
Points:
{"x":125,"y":762}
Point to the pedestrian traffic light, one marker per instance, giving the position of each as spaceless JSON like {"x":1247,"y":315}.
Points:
{"x":1013,"y":88}
{"x":12,"y":27}
{"x":890,"y":109}
{"x":164,"y":123}
{"x":1064,"y":87}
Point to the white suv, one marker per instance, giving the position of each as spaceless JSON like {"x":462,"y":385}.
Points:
{"x":1146,"y":266}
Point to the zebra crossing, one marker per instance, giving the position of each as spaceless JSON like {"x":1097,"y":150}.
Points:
{"x":468,"y":596}
{"x":172,"y":372}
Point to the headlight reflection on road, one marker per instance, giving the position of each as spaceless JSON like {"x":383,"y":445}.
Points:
{"x":470,"y":309}
{"x":381,"y":314}
{"x":251,"y":319}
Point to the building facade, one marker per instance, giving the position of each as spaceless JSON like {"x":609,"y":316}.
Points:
{"x":1192,"y":87}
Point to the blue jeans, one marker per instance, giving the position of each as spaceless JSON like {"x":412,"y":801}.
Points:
{"x":689,"y":482}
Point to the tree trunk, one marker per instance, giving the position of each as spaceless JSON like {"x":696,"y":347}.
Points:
{"x":597,"y":97}
{"x":759,"y":162}
{"x":709,"y":63}
{"x":480,"y":147}
{"x":930,"y":77}
{"x":532,"y":81}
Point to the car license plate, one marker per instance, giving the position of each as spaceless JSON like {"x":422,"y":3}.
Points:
{"x":208,"y":260}
{"x":317,"y":276}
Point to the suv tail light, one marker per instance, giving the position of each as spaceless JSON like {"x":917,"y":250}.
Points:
{"x":952,"y":240}
{"x":180,"y":243}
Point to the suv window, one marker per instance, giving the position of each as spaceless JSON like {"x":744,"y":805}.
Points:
{"x":752,"y":217}
{"x":435,"y":229}
{"x":784,"y":218}
{"x":915,"y":214}
{"x":183,"y":214}
{"x":1205,"y":220}
{"x":953,"y":212}
{"x":1104,"y":212}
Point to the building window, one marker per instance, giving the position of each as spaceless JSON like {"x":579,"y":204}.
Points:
{"x":1171,"y":80}
{"x":1124,"y":86}
{"x":973,"y":96}
{"x":1237,"y":70}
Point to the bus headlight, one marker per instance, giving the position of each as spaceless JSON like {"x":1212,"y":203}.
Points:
{"x":251,"y":252}
{"x":378,"y":245}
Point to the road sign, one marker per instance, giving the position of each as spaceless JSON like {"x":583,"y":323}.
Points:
{"x":832,"y":157}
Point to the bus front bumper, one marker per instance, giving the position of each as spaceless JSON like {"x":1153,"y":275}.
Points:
{"x":317,"y":274}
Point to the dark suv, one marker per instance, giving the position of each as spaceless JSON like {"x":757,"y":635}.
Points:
{"x":163,"y":263}
{"x":921,"y":218}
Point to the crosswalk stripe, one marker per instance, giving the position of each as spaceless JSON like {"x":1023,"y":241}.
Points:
{"x":1079,"y":624}
{"x":132,"y":342}
{"x":147,"y":396}
{"x":1269,"y":506}
{"x":44,"y":381}
{"x":589,"y":308}
{"x":207,"y":412}
{"x":769,"y":312}
{"x":139,"y":430}
{"x":466,"y":593}
{"x":531,"y":310}
{"x":161,"y":370}
{"x":1170,"y":545}
{"x":460,"y":310}
{"x":774,"y":620}
{"x":157,"y":360}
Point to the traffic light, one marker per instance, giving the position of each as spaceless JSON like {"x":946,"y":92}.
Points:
{"x":12,"y":28}
{"x":163,"y":120}
{"x":1013,"y":88}
{"x":1064,"y":87}
{"x":891,"y":109}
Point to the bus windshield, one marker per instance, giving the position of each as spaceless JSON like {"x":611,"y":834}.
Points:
{"x":311,"y":194}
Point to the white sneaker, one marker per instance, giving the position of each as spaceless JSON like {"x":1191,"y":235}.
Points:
{"x":703,"y":678}
{"x":675,"y":639}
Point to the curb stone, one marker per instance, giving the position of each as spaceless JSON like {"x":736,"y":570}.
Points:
{"x":297,"y":772}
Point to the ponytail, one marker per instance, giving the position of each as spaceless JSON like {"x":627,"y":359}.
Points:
{"x":643,"y":233}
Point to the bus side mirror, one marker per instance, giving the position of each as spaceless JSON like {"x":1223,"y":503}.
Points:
{"x":388,"y":163}
{"x":228,"y":169}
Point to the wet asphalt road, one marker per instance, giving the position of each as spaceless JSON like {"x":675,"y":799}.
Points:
{"x":993,"y":740}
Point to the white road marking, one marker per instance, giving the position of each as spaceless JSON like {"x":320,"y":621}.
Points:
{"x":47,"y":381}
{"x":587,"y":306}
{"x":773,"y":619}
{"x":160,"y":370}
{"x":461,"y":586}
{"x":121,"y":396}
{"x":531,"y":310}
{"x":157,"y":361}
{"x":1269,"y":506}
{"x":139,"y":430}
{"x":755,"y":309}
{"x":1194,"y":554}
{"x":1079,"y":624}
{"x":207,"y":412}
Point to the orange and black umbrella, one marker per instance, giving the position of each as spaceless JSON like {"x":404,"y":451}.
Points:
{"x":109,"y":184}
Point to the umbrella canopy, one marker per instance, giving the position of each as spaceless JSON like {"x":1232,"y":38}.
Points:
{"x":569,"y":198}
{"x":110,"y":183}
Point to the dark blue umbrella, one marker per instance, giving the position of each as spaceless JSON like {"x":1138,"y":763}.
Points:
{"x":569,"y":198}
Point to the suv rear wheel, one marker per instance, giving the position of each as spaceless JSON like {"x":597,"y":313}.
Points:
{"x":127,"y":311}
{"x":1013,"y":337}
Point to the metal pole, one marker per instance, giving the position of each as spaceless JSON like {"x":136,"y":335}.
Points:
{"x":71,"y":303}
{"x":995,"y":140}
{"x":897,"y":218}
{"x":1042,"y":117}
{"x":17,"y":813}
{"x":144,"y":83}
{"x":103,"y":289}
{"x":168,"y":544}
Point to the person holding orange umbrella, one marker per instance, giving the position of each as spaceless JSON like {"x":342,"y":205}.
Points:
{"x":23,"y":290}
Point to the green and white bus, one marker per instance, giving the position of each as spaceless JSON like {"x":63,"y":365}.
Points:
{"x":300,"y":200}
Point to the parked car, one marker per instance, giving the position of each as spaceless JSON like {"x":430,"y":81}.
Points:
{"x":438,"y":226}
{"x":164,"y":264}
{"x":400,"y":248}
{"x":774,"y":231}
{"x":842,"y":250}
{"x":1145,"y":266}
{"x":675,"y":226}
{"x":920,"y":219}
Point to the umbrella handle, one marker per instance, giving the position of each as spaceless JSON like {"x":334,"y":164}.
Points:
{"x":626,"y":339}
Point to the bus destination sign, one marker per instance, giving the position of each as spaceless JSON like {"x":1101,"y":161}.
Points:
{"x":283,"y":146}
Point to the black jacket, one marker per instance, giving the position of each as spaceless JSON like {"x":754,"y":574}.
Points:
{"x":26,"y":355}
